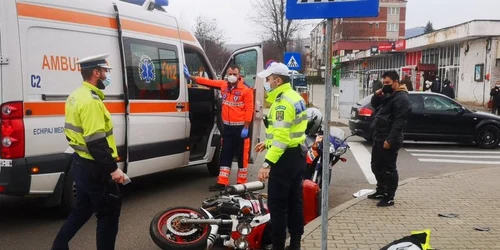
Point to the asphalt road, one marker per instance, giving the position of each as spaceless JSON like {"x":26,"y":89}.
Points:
{"x":26,"y":225}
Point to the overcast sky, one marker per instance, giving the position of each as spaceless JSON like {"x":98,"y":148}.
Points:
{"x":232,"y":15}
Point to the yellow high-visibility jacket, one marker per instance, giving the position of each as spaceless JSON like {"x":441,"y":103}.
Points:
{"x":287,"y":122}
{"x":88,"y":126}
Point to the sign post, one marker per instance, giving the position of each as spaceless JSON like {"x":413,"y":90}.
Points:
{"x":314,"y":9}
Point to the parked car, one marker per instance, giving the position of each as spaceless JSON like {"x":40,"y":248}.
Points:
{"x":434,"y":117}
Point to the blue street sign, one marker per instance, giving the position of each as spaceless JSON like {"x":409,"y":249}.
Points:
{"x":293,"y":60}
{"x":320,"y":9}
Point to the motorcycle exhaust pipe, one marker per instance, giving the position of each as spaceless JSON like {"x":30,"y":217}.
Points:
{"x":212,"y":237}
{"x":206,"y":221}
{"x":247,"y":187}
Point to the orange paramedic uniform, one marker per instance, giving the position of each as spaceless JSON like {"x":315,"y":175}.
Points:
{"x":237,"y":108}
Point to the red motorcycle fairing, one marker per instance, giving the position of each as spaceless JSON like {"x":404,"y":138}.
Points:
{"x":254,"y":238}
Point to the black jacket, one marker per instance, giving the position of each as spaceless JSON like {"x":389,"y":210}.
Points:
{"x":391,"y":116}
{"x":448,"y":91}
{"x":495,"y":93}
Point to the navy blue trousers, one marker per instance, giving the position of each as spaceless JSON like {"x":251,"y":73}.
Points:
{"x":92,"y":196}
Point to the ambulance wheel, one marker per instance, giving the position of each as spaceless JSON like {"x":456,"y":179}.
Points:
{"x":214,"y":165}
{"x":68,"y":201}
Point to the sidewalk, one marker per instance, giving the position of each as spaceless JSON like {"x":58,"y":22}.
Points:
{"x":473,"y":195}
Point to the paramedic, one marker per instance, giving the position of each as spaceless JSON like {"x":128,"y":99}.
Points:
{"x":285,"y":158}
{"x":237,"y":114}
{"x":89,"y":130}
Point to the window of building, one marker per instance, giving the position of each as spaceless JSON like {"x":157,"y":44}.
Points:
{"x":391,"y":27}
{"x":377,"y":25}
{"x":152,"y":70}
{"x":393,"y":11}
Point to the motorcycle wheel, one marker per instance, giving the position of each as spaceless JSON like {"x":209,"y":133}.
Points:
{"x":167,"y":232}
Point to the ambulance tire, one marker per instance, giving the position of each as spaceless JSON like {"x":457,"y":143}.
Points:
{"x":68,"y":202}
{"x":214,"y":165}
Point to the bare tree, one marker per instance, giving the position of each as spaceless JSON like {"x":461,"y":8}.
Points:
{"x":270,"y":17}
{"x":212,"y":40}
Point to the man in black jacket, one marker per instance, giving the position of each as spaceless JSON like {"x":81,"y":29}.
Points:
{"x":392,"y":107}
{"x":495,"y":95}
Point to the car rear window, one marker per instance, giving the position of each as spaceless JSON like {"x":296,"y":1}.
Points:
{"x":365,"y":101}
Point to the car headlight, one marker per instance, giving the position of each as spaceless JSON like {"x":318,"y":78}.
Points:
{"x":244,"y":228}
{"x":341,"y":151}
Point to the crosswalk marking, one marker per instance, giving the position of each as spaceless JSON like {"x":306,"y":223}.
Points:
{"x":460,"y":156}
{"x":363,"y":157}
{"x":485,"y":157}
{"x":453,"y":151}
{"x":459,"y":161}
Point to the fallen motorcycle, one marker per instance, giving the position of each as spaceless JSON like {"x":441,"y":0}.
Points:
{"x":238,"y":216}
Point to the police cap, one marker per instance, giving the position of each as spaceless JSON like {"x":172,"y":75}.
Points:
{"x":94,"y":61}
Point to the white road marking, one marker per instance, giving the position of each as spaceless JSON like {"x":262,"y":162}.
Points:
{"x":453,"y":151}
{"x":459,"y":161}
{"x":364,"y":158}
{"x":460,"y":156}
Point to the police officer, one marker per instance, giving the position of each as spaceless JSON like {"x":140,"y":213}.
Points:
{"x":89,"y":130}
{"x":237,"y":114}
{"x":393,"y":106}
{"x":285,"y":158}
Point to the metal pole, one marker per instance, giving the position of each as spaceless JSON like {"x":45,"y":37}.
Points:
{"x":326,"y":138}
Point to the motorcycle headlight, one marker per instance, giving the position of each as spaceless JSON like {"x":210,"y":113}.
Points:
{"x":332,"y":149}
{"x":341,"y":151}
{"x":241,"y":243}
{"x":244,"y":228}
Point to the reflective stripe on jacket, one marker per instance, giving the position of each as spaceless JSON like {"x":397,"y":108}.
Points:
{"x":287,"y":121}
{"x":88,"y":120}
{"x":237,"y":102}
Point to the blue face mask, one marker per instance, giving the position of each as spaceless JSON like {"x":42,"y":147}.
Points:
{"x":107,"y":81}
{"x":267,"y":87}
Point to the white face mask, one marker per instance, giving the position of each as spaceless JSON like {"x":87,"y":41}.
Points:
{"x":232,"y":79}
{"x":107,"y":81}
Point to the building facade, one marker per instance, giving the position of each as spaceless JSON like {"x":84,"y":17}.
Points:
{"x":467,"y":54}
{"x":351,"y":35}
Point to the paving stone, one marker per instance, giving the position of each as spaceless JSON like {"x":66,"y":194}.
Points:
{"x":472,"y":195}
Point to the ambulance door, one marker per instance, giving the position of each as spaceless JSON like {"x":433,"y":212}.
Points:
{"x":251,"y":61}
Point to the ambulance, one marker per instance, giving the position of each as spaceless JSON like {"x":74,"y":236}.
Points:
{"x":161,"y":121}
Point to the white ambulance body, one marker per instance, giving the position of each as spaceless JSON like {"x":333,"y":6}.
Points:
{"x":160,"y":121}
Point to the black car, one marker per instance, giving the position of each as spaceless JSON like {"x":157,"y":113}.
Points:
{"x":435,"y":117}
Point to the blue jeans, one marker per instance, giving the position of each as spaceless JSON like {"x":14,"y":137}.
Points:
{"x":92,"y":196}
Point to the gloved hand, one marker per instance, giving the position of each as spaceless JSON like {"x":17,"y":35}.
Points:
{"x":244,"y":133}
{"x":186,"y":72}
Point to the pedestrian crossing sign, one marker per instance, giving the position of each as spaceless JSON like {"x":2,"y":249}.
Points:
{"x":293,"y":60}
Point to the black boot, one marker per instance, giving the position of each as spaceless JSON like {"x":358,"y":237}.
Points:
{"x":294,"y":243}
{"x":279,"y":243}
{"x":377,"y":195}
{"x":386,"y":202}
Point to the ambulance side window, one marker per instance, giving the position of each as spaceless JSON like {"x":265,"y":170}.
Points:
{"x":196,"y":64}
{"x":152,"y":70}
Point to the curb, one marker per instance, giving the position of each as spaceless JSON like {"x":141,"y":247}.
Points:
{"x":316,"y":223}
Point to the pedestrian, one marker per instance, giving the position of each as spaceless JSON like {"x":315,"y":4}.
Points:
{"x":448,"y":90}
{"x":408,"y":83}
{"x":237,"y":114}
{"x":392,"y":107}
{"x":436,"y":85}
{"x":495,"y":95}
{"x":376,"y":84}
{"x":285,"y":160}
{"x":88,"y":129}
